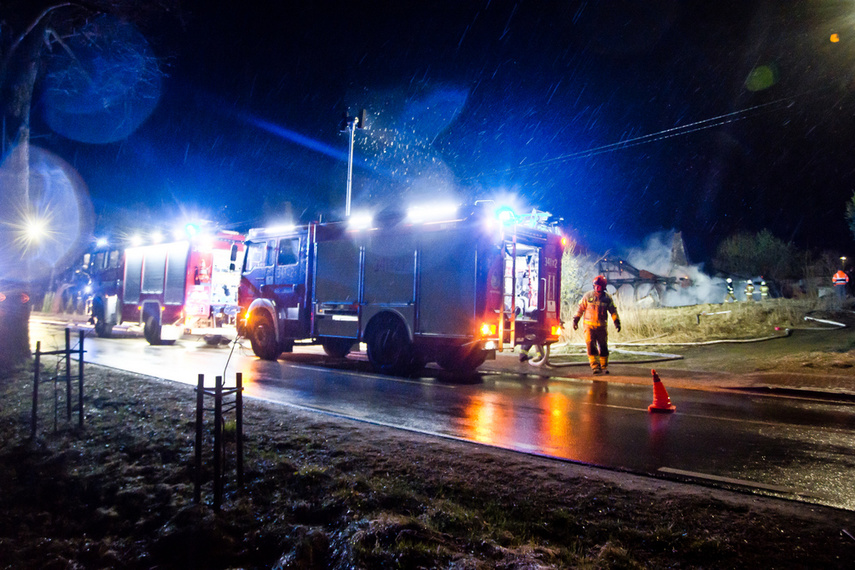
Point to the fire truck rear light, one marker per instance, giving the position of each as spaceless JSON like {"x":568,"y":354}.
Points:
{"x":556,"y":331}
{"x":488,"y":329}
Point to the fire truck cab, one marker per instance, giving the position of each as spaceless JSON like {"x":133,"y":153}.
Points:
{"x":184,"y":287}
{"x":451,"y":291}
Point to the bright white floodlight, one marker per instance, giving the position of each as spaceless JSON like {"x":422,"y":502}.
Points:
{"x":35,"y":230}
{"x":431,"y":212}
{"x":360,"y":221}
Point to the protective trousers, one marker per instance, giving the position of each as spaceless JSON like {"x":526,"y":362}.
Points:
{"x":596,"y":341}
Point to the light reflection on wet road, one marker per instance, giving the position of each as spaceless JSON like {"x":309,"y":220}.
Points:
{"x":788,"y":447}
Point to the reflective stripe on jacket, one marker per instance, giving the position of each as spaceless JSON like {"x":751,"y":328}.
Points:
{"x":840,"y":278}
{"x":596,"y":309}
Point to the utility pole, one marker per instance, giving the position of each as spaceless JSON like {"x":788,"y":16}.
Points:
{"x":349,"y":125}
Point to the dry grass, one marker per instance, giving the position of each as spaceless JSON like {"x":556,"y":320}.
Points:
{"x":702,"y":323}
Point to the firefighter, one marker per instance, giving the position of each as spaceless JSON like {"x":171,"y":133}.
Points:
{"x":596,"y":306}
{"x":749,"y":290}
{"x":764,"y":290}
{"x":730,"y":297}
{"x":840,"y":280}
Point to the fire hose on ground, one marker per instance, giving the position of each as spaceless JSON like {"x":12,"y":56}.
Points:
{"x":657,"y":356}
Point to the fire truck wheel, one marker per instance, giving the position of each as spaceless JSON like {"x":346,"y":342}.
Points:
{"x":213,"y":339}
{"x":390,"y":350}
{"x":102,"y":329}
{"x":337,"y":347}
{"x":459,"y":359}
{"x":263,"y":339}
{"x":152,"y":331}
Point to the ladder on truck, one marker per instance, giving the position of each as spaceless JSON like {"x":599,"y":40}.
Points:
{"x":509,"y":289}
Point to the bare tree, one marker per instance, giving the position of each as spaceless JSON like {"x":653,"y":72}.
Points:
{"x":49,"y":41}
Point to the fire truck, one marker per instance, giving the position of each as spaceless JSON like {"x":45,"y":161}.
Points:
{"x":188,"y":286}
{"x":413,"y":289}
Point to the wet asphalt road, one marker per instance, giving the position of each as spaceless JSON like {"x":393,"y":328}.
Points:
{"x":795,"y":448}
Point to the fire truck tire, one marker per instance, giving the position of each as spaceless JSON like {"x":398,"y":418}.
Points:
{"x":337,"y":347}
{"x":102,"y":328}
{"x":459,"y":359}
{"x":263,"y":339}
{"x":214,"y":339}
{"x":390,"y":350}
{"x":151,"y":331}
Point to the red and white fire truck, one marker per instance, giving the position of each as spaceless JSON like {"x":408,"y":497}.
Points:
{"x":188,"y":286}
{"x":413,"y":289}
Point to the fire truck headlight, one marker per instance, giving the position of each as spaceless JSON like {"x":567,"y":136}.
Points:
{"x":488,"y":329}
{"x":490,"y":345}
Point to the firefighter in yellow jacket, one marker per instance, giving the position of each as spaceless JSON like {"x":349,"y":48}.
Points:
{"x":596,"y":306}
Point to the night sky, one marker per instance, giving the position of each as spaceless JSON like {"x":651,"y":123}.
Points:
{"x":624,"y":118}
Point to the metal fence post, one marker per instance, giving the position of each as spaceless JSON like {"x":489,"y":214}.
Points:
{"x":218,"y":442}
{"x":239,"y":427}
{"x":80,"y":387}
{"x":68,"y":374}
{"x":200,"y":403}
{"x":35,"y":390}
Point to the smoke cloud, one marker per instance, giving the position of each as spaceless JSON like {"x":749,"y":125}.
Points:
{"x":662,"y":255}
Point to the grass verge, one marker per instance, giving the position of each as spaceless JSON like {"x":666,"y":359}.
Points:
{"x":322,"y":492}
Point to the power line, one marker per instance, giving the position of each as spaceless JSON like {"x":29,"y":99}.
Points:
{"x":653,"y":137}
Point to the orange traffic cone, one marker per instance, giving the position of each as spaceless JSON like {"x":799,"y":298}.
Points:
{"x":661,"y":400}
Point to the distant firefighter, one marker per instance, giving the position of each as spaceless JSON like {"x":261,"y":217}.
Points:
{"x":730,"y":297}
{"x":840,"y":280}
{"x":749,"y":290}
{"x":764,"y":290}
{"x":596,"y":306}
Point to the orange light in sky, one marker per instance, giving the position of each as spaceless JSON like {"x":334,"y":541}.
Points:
{"x":834,"y":38}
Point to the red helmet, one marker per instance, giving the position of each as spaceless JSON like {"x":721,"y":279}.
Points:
{"x":600,"y":280}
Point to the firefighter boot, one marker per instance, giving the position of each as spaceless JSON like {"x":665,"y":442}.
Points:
{"x":595,"y":364}
{"x":604,"y":364}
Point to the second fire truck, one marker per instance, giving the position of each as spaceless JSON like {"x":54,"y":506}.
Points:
{"x":188,"y":286}
{"x":414,"y":290}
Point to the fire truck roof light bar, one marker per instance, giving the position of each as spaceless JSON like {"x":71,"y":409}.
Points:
{"x":360,"y":221}
{"x":432,"y":212}
{"x":271,"y":231}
